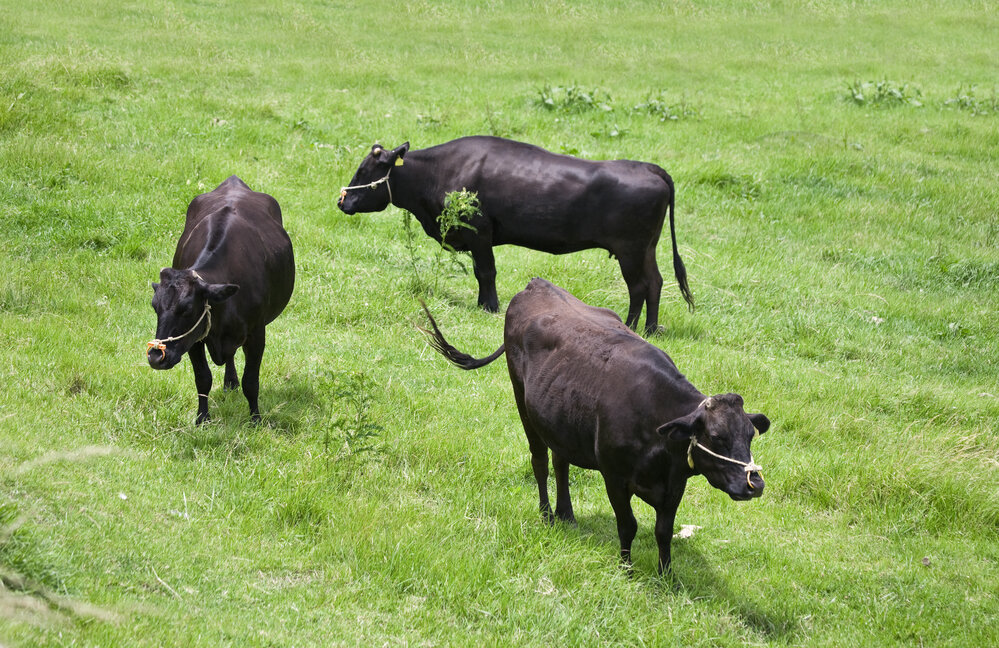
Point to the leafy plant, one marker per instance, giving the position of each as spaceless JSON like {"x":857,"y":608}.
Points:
{"x":968,"y":100}
{"x":883,"y":94}
{"x":573,"y":99}
{"x":460,"y":207}
{"x":657,"y":106}
{"x":352,"y":435}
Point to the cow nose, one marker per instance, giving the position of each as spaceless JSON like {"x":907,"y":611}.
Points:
{"x":757,"y":484}
{"x":156,"y":355}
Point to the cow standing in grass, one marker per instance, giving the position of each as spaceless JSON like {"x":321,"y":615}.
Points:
{"x":532,"y":198}
{"x":600,"y":397}
{"x":232,"y":274}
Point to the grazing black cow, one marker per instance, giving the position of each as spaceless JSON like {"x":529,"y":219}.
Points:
{"x":535,"y":199}
{"x":233,"y":273}
{"x":601,"y":397}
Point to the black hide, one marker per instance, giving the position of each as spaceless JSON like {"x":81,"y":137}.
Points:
{"x":532,"y":198}
{"x":235,"y":257}
{"x":600,"y":397}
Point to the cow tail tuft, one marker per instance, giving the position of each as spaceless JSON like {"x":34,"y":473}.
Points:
{"x":679,"y":271}
{"x":453,"y":355}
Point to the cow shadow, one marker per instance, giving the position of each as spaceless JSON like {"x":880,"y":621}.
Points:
{"x":287,"y":408}
{"x":694,"y":577}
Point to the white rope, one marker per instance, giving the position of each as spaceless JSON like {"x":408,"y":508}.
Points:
{"x":750,"y":466}
{"x":161,"y":344}
{"x":370,"y":185}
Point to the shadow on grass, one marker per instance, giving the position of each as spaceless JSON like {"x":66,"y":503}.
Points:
{"x":285,"y":408}
{"x":695,"y":576}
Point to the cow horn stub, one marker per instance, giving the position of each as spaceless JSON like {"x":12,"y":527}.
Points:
{"x":709,"y":404}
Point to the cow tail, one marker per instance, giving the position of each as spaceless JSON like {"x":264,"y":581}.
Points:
{"x":679,"y":271}
{"x":453,"y":355}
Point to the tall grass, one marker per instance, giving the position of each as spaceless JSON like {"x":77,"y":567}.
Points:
{"x":843,"y":254}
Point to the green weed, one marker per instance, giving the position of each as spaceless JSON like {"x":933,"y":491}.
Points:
{"x":883,"y":94}
{"x":573,"y":99}
{"x":968,"y":100}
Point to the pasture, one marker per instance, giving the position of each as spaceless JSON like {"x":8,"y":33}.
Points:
{"x":836,"y":176}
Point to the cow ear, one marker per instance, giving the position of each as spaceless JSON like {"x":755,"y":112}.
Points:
{"x":760,"y":422}
{"x":220,"y":292}
{"x":401,"y":151}
{"x":681,"y":429}
{"x":155,"y":285}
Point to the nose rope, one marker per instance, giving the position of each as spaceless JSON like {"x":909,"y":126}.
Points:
{"x":370,"y":185}
{"x":750,"y":467}
{"x":160,"y":345}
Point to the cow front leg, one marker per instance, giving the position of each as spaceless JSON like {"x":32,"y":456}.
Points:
{"x":484,"y":263}
{"x":202,"y":379}
{"x":627,"y":526}
{"x":666,"y":518}
{"x":231,"y":380}
{"x":664,"y":537}
{"x":563,"y":502}
{"x":253,"y":351}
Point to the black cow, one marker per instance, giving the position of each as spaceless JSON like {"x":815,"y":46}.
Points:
{"x":535,"y":199}
{"x":601,"y":397}
{"x":233,"y":273}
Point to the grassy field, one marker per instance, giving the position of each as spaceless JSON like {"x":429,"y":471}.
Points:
{"x":836,"y":171}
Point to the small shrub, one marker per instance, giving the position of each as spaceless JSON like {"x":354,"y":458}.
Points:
{"x":573,"y":99}
{"x":460,"y":207}
{"x":656,"y":106}
{"x":968,"y":100}
{"x":883,"y":94}
{"x":353,"y":435}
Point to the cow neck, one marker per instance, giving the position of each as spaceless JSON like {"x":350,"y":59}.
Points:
{"x":404,"y":176}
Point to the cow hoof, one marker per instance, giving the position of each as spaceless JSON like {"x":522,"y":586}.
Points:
{"x":655,"y":331}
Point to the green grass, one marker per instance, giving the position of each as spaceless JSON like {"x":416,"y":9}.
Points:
{"x":843,"y":254}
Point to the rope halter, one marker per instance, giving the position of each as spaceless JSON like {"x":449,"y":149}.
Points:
{"x":750,"y":467}
{"x":160,"y":345}
{"x":370,"y":185}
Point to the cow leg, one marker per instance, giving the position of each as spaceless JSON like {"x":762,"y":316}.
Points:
{"x":634,"y":277}
{"x":231,"y":380}
{"x":627,"y":527}
{"x":539,"y":464}
{"x":202,"y":379}
{"x":563,"y":503}
{"x":665,"y":519}
{"x":484,"y":263}
{"x":653,"y":291}
{"x":253,"y":351}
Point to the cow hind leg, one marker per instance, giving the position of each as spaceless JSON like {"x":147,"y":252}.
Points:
{"x":653,"y":291}
{"x":634,"y":276}
{"x":253,"y":351}
{"x":539,"y":465}
{"x":563,"y":502}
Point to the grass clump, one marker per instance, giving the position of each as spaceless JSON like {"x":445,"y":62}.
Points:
{"x":967,"y":99}
{"x":657,"y":106}
{"x":883,"y":94}
{"x":574,"y":99}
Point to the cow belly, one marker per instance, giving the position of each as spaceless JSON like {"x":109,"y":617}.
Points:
{"x":559,"y":415}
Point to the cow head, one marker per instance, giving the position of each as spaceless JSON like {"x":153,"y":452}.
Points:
{"x":717,"y":436}
{"x":181,"y":300}
{"x":369,"y":189}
